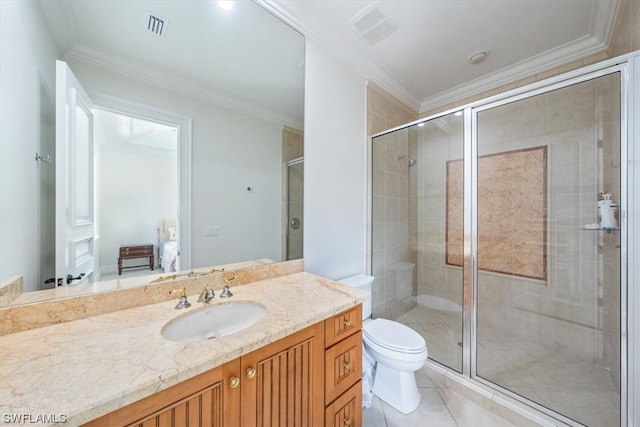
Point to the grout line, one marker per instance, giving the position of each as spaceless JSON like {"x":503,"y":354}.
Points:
{"x":447,"y":406}
{"x":384,"y":414}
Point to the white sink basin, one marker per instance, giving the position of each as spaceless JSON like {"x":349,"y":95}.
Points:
{"x":213,"y":322}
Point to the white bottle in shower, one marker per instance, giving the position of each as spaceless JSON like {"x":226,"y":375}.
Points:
{"x":608,"y":212}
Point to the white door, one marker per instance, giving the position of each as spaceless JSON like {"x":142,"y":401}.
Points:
{"x":75,"y":206}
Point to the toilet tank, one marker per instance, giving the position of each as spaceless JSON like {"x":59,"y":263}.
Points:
{"x":364,"y":283}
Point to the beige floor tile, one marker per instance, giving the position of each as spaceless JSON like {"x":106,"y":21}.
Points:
{"x":374,"y":416}
{"x":432,"y":412}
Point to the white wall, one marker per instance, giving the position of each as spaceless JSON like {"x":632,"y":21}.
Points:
{"x":27,"y":58}
{"x":231,"y":151}
{"x":335,"y":173}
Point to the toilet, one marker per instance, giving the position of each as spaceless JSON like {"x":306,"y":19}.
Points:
{"x":397,"y":351}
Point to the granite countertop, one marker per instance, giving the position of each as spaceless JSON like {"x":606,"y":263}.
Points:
{"x":89,"y":367}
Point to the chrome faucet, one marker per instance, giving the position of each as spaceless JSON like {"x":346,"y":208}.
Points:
{"x":182,"y":301}
{"x":206,"y":295}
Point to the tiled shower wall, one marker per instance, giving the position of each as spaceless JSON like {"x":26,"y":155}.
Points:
{"x":392,"y":259}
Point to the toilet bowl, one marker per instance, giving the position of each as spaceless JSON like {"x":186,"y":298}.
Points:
{"x":398,"y":351}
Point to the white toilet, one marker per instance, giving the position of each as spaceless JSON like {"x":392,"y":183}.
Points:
{"x":398,"y":352}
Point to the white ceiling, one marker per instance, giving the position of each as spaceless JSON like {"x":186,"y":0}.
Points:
{"x":425,"y":61}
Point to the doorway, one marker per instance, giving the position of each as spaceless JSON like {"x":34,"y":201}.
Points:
{"x":136,"y":191}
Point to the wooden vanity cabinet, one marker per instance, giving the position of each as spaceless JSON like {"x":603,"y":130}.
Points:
{"x":280,"y":384}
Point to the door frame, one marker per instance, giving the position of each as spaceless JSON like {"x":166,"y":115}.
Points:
{"x":184,"y":125}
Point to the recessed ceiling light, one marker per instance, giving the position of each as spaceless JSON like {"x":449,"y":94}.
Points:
{"x":421,"y":124}
{"x":478,"y":57}
{"x":225,"y":4}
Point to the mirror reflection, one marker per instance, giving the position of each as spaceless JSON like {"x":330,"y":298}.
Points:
{"x":186,"y":154}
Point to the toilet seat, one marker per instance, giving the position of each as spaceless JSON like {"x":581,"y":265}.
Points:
{"x":394,"y":336}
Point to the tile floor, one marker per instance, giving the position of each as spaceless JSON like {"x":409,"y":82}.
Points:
{"x":440,"y":407}
{"x":575,"y":388}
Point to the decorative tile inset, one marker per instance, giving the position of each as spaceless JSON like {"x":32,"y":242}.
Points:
{"x":512,"y":212}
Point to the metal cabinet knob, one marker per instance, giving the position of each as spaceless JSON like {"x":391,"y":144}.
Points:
{"x":234,"y":382}
{"x":251,"y":372}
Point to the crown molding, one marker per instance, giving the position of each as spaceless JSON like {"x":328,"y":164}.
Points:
{"x":600,"y":31}
{"x":346,"y":52}
{"x":603,"y":19}
{"x":101,"y":59}
{"x":61,"y":23}
{"x":550,"y":59}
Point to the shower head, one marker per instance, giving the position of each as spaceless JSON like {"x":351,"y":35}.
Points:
{"x":410,"y":161}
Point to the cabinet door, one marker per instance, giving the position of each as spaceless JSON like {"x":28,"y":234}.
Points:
{"x":283,"y":383}
{"x":205,"y":400}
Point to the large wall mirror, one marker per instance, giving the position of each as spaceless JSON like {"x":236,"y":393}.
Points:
{"x":195,"y":110}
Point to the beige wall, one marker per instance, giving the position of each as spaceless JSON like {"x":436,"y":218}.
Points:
{"x":626,"y":35}
{"x":384,"y":111}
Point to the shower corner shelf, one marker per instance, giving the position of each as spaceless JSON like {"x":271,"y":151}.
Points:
{"x":608,"y":230}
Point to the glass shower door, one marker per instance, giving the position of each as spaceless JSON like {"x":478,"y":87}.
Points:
{"x":417,"y":232}
{"x":548,"y":275}
{"x":295,"y":208}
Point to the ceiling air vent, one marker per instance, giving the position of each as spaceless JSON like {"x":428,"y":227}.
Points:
{"x":157,"y":25}
{"x":372,"y":25}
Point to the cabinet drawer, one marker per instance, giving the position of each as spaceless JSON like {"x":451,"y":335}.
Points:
{"x":346,"y":411}
{"x":342,"y":325}
{"x":343,"y":366}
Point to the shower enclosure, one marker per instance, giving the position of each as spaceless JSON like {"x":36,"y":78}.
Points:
{"x":486,"y":240}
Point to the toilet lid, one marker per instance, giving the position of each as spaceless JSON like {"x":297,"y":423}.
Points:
{"x":394,"y":336}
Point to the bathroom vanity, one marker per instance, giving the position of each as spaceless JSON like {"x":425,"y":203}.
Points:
{"x":307,"y":378}
{"x":299,"y":365}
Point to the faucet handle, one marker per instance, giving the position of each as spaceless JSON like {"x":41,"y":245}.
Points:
{"x":182,"y":302}
{"x":226,"y":293}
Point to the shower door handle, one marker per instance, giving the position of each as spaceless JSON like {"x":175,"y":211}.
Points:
{"x":294,"y":223}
